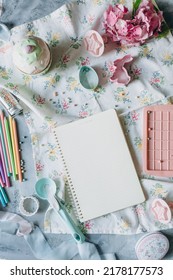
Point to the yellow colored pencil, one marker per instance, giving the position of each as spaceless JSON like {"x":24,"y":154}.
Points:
{"x":16,"y":145}
{"x":6,"y":142}
{"x":13,"y":143}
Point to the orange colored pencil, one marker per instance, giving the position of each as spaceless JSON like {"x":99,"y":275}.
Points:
{"x":16,"y":146}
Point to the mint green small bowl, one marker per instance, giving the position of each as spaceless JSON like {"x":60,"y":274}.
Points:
{"x":88,"y":77}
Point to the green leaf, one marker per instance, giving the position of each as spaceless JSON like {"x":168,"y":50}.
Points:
{"x":155,"y":6}
{"x":76,"y":46}
{"x":57,"y":78}
{"x":136,"y":5}
{"x":165,"y":30}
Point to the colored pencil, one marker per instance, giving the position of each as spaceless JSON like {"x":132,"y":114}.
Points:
{"x":7,"y":128}
{"x":2,"y":170}
{"x":6,"y":143}
{"x":16,"y":144}
{"x":4,"y":148}
{"x":1,"y":182}
{"x":2,"y":200}
{"x":13,"y":143}
{"x":7,"y":181}
{"x":5,"y":197}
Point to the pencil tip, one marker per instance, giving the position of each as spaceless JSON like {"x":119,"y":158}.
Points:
{"x":1,"y":114}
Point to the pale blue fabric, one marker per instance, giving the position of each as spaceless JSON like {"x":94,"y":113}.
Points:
{"x":42,"y":250}
{"x":12,"y":224}
{"x":67,"y":250}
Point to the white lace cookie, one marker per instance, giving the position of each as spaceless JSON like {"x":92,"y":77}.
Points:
{"x":28,"y":206}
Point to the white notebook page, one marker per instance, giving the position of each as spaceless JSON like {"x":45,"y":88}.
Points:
{"x":100,"y":165}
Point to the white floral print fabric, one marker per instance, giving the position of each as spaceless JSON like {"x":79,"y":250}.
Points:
{"x":58,"y":97}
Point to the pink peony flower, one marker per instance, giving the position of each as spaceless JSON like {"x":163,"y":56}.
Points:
{"x":145,"y":24}
{"x":112,"y":14}
{"x":120,"y":74}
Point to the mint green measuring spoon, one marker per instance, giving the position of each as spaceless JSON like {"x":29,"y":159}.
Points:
{"x":46,"y":189}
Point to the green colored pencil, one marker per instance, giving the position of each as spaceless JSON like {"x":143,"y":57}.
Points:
{"x":4,"y":149}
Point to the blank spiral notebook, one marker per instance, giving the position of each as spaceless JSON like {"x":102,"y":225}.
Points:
{"x":101,"y":174}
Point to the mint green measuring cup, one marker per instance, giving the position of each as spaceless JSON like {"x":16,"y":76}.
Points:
{"x":46,"y":188}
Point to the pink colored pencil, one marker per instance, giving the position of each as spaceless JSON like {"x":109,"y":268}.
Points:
{"x":7,"y":181}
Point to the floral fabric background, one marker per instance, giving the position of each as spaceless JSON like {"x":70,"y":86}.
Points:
{"x":57,"y":98}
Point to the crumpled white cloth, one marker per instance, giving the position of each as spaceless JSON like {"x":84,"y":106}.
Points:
{"x":58,"y":97}
{"x":39,"y":245}
{"x":24,"y":227}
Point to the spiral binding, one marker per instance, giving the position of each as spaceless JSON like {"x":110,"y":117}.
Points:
{"x":70,"y":188}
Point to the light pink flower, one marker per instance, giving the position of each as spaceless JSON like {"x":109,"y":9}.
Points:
{"x":137,"y":71}
{"x":88,"y":225}
{"x":120,"y":74}
{"x":83,"y":114}
{"x":85,"y":61}
{"x":65,"y":104}
{"x":140,"y":211}
{"x":66,"y":58}
{"x":111,"y":67}
{"x":134,"y":116}
{"x":145,"y":24}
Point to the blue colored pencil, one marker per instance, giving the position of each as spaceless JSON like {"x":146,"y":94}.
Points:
{"x":5,"y":197}
{"x":2,"y":200}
